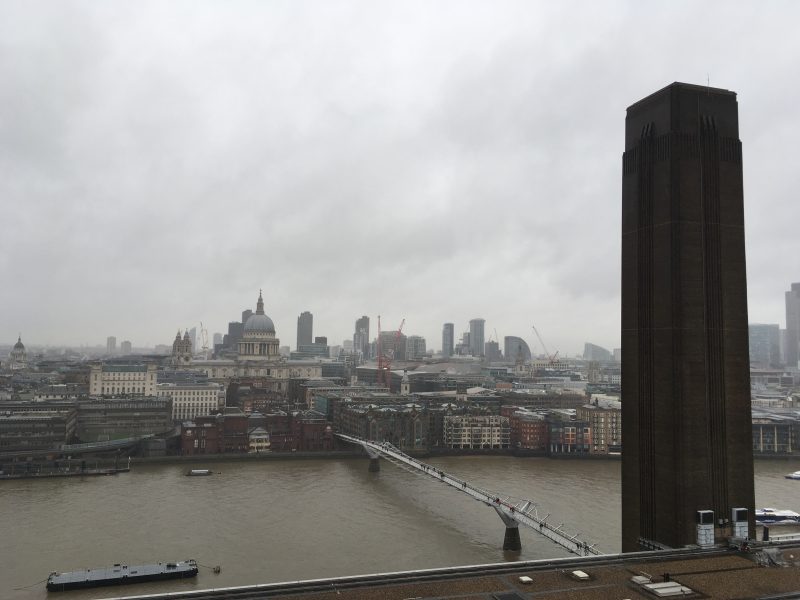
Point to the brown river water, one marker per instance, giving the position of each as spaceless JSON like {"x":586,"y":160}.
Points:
{"x":285,"y":520}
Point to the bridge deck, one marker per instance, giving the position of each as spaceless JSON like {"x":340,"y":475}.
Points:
{"x":524,"y":512}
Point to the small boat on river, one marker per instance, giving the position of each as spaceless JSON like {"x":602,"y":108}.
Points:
{"x":120,"y":574}
{"x":199,"y":472}
{"x":795,"y":475}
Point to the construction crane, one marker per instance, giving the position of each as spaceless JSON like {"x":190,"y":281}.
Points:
{"x":381,"y":358}
{"x":550,"y":358}
{"x":399,"y":333}
{"x":384,"y":359}
{"x":204,"y":339}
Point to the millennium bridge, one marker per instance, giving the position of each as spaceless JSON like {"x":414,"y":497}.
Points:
{"x":513,"y":514}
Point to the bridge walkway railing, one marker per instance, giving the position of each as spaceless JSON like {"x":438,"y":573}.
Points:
{"x":524,"y":512}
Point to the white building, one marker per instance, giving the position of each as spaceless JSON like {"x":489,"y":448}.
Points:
{"x":122,"y":380}
{"x":190,"y":400}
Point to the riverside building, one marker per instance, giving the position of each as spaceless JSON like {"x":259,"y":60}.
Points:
{"x":476,"y":431}
{"x":127,"y":380}
{"x":193,"y":399}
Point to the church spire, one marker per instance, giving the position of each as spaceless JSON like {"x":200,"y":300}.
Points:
{"x":260,"y":304}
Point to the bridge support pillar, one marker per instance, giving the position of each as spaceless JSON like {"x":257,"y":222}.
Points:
{"x":511,"y":540}
{"x":374,"y":455}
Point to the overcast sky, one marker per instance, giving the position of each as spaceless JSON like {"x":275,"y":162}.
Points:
{"x":439,"y":161}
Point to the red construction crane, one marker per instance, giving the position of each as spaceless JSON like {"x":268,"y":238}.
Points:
{"x":550,"y":357}
{"x":384,"y":359}
{"x":381,"y":358}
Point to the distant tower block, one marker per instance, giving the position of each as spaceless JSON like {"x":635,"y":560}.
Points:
{"x":685,"y":377}
{"x":305,"y":327}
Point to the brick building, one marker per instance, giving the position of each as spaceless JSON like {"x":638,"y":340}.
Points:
{"x":605,"y":420}
{"x":528,"y":430}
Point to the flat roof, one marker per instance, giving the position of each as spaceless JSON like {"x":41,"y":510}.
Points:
{"x":718,"y":573}
{"x":687,"y":86}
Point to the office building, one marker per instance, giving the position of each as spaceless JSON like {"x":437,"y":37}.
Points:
{"x":476,"y":431}
{"x":491,"y":350}
{"x":192,"y":399}
{"x":393,"y":345}
{"x":595,"y":352}
{"x":448,"y":339}
{"x":122,"y":380}
{"x":111,"y":345}
{"x":415,"y":347}
{"x":361,"y":341}
{"x":793,"y":326}
{"x":305,"y":325}
{"x":464,"y":348}
{"x":516,"y":349}
{"x":126,"y":348}
{"x":116,"y":418}
{"x":685,"y":379}
{"x":235,"y":332}
{"x":476,"y":336}
{"x":765,"y":342}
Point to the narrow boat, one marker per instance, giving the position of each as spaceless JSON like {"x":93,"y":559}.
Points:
{"x":795,"y":475}
{"x":199,"y":472}
{"x":120,"y":574}
{"x":774,"y":516}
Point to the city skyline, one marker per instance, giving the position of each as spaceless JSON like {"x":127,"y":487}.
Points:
{"x":433,"y":184}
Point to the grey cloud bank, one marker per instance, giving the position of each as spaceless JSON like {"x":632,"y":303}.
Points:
{"x":160,"y":162}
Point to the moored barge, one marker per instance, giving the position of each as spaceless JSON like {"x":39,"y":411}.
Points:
{"x":199,"y":472}
{"x":120,"y":574}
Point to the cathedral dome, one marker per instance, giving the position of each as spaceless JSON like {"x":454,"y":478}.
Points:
{"x":20,"y":346}
{"x":259,"y":322}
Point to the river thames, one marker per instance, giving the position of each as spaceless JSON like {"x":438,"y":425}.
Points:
{"x":282,"y":520}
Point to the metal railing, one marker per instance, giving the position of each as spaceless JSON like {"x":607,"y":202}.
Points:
{"x":522,"y":512}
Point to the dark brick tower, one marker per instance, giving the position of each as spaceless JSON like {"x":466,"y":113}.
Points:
{"x":687,"y":439}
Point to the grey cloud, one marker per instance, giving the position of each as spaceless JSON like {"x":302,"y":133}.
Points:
{"x":161,"y":162}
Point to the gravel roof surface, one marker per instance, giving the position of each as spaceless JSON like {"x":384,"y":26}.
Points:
{"x":725,"y":576}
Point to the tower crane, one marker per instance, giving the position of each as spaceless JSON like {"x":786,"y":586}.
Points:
{"x":384,"y":359}
{"x":381,"y":358}
{"x":550,"y":358}
{"x":204,"y":339}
